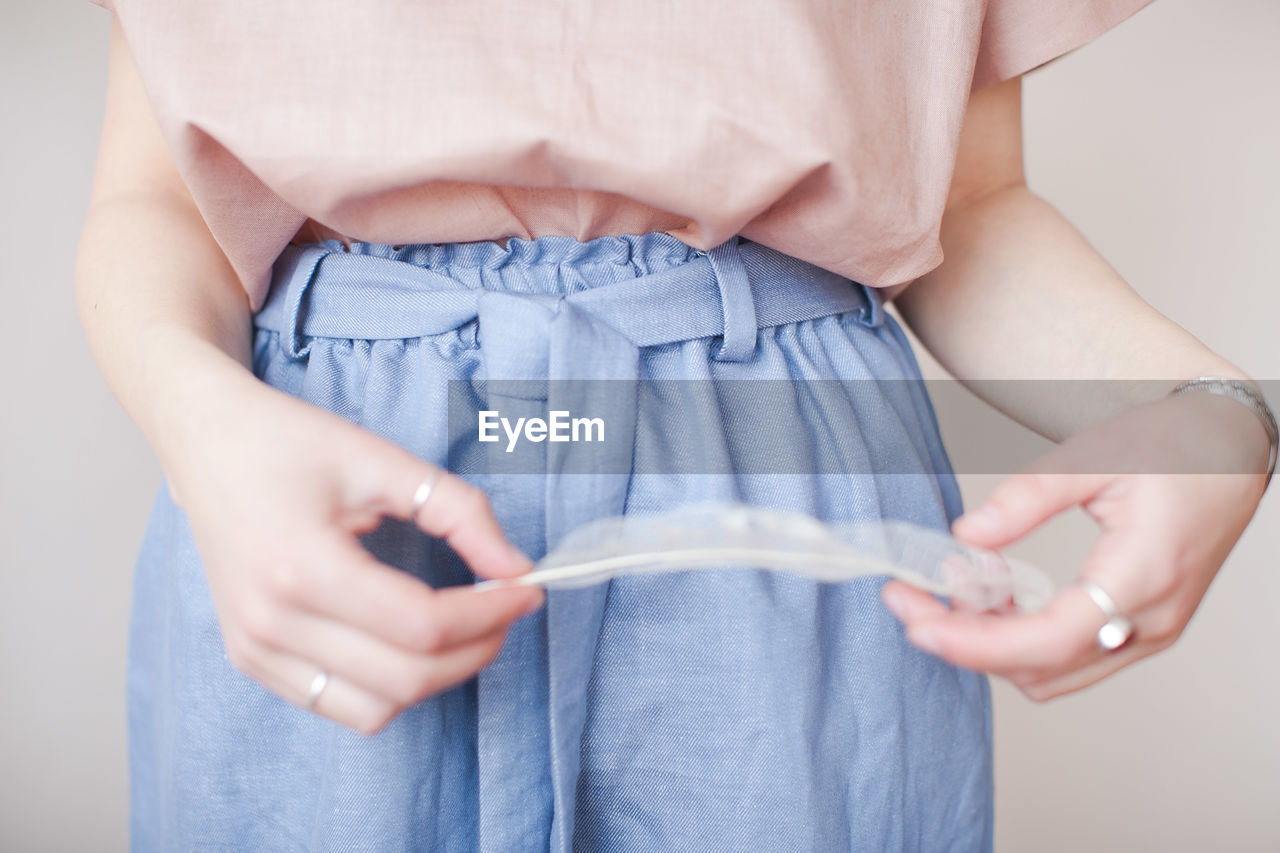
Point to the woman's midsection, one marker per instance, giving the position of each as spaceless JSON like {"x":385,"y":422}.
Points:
{"x":450,"y":211}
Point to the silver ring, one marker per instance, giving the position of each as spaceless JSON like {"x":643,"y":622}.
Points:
{"x":1118,"y":629}
{"x":318,"y":684}
{"x":423,"y":492}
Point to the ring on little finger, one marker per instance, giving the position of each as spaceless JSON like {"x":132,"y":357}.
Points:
{"x":318,"y":684}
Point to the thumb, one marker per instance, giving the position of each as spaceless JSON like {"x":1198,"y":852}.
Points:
{"x":1021,"y":503}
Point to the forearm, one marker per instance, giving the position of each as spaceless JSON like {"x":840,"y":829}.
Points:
{"x":162,"y":310}
{"x":1022,"y":295}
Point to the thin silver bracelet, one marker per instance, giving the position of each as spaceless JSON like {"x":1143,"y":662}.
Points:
{"x":1242,"y":392}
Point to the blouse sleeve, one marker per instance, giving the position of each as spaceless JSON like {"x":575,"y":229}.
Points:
{"x":1019,"y":35}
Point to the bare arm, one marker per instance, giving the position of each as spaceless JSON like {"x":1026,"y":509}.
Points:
{"x":162,"y":309}
{"x":275,"y":489}
{"x":1022,"y":295}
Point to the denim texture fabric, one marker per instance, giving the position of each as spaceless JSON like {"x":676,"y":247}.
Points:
{"x":711,"y":710}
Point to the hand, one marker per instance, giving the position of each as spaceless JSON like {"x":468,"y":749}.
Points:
{"x":276,"y":491}
{"x":1163,"y":538}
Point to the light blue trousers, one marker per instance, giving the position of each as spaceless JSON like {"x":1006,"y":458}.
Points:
{"x":712,"y":710}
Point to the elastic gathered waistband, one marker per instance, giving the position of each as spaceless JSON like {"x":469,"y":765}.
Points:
{"x":513,"y":267}
{"x":651,"y":288}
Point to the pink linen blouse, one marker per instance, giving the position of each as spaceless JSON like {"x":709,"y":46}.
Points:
{"x":825,"y":130}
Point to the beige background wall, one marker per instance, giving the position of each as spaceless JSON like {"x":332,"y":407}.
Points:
{"x":1159,"y":140}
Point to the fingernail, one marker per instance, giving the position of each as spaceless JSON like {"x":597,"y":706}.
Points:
{"x":924,"y":638}
{"x":986,"y":515}
{"x":893,"y":601}
{"x":537,"y":603}
{"x":520,"y":558}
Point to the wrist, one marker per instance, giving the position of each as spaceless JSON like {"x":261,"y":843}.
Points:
{"x":190,"y":384}
{"x":1245,"y":396}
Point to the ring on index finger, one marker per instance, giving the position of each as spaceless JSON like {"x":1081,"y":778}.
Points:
{"x":423,"y":493}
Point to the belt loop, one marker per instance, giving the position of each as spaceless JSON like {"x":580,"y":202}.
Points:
{"x":736,"y":300}
{"x":302,"y":270}
{"x":873,"y":314}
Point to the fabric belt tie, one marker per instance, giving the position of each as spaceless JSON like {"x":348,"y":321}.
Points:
{"x":729,"y":291}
